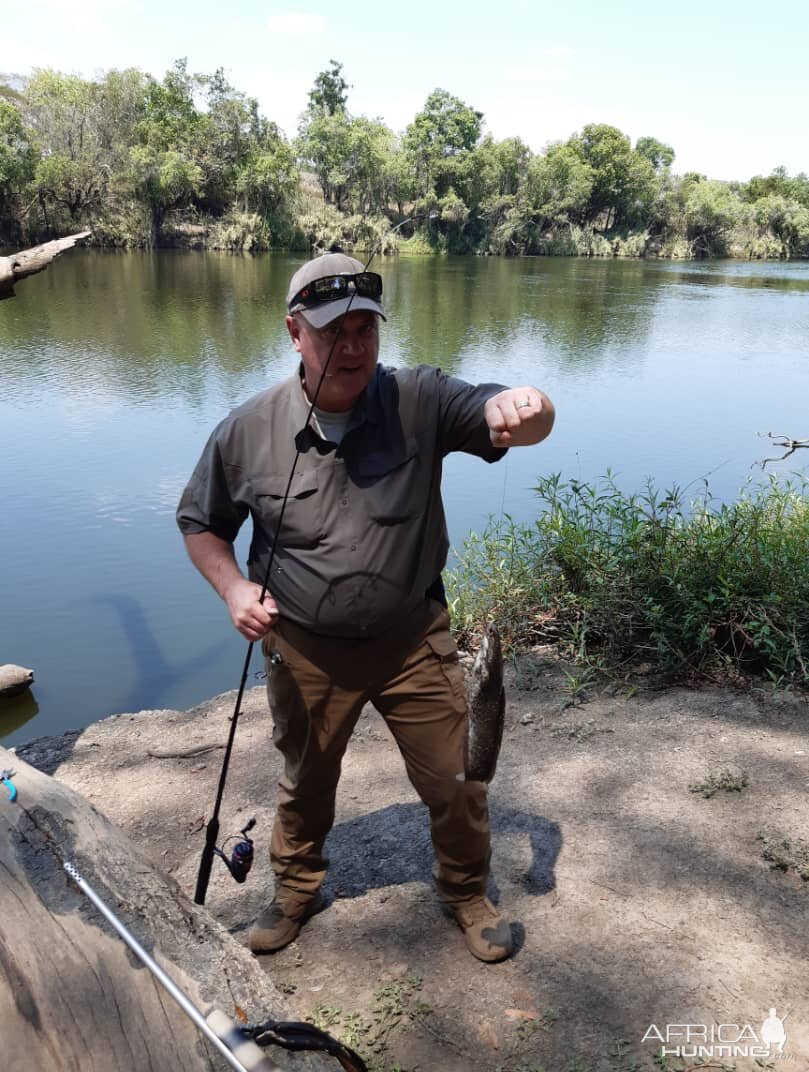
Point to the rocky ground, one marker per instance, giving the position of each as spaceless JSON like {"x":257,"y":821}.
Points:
{"x":638,"y":903}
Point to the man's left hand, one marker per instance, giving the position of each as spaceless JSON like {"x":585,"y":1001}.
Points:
{"x":519,"y":417}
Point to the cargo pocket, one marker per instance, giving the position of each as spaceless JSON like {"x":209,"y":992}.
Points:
{"x":445,"y":650}
{"x":302,"y":524}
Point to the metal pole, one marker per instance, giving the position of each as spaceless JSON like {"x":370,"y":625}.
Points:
{"x":191,"y":1011}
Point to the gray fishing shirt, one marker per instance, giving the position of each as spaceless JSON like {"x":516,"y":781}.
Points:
{"x":363,"y":534}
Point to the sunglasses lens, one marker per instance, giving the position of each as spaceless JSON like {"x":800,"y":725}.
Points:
{"x":333,"y":286}
{"x":369,"y":285}
{"x":330,"y":287}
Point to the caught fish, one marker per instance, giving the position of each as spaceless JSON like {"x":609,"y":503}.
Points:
{"x":486,"y":700}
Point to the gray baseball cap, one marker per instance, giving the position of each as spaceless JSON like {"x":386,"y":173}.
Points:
{"x":330,"y":264}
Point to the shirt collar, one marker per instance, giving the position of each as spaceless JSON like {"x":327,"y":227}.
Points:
{"x":368,"y":407}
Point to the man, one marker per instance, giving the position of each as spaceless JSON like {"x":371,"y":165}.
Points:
{"x":354,"y":609}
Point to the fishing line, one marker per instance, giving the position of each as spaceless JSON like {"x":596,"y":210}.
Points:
{"x":212,"y":829}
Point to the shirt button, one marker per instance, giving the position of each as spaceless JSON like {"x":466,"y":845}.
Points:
{"x":344,"y":502}
{"x":353,"y":547}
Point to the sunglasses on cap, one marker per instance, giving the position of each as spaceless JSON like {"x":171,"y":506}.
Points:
{"x":332,"y":287}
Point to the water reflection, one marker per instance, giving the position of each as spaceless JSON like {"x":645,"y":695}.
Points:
{"x":115,"y":367}
{"x":16,"y":712}
{"x":146,"y":326}
{"x":790,"y":276}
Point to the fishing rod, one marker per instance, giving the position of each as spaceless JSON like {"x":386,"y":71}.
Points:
{"x":241,"y":1045}
{"x":250,"y":1053}
{"x":211,"y":849}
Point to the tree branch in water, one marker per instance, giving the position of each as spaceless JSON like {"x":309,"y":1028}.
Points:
{"x":786,"y":442}
{"x":30,"y":261}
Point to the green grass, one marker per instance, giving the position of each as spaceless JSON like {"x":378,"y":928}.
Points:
{"x":648,"y":581}
{"x":395,"y":1008}
{"x":729,"y":780}
{"x":785,"y":854}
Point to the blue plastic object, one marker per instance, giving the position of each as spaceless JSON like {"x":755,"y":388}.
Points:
{"x":5,"y":778}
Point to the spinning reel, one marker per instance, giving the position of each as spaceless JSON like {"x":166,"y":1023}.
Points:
{"x":241,"y":856}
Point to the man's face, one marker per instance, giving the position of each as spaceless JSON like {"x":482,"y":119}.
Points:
{"x":355,"y":338}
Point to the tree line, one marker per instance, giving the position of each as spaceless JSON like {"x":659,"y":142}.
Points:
{"x":189,"y":161}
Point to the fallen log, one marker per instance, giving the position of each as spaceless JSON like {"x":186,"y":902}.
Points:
{"x":31,"y":261}
{"x":75,"y":998}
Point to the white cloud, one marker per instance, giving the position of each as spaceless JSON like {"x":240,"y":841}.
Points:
{"x":297,"y":24}
{"x":559,"y":52}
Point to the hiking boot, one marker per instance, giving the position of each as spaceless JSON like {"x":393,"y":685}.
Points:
{"x":486,"y":933}
{"x":281,"y":924}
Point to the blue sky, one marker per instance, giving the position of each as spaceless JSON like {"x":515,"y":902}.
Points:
{"x":724,"y":83}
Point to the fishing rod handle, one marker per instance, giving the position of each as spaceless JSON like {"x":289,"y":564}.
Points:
{"x":248,"y":1052}
{"x":206,"y":861}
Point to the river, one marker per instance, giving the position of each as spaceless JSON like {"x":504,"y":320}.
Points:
{"x":115,"y":367}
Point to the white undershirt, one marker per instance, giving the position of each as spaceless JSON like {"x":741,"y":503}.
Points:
{"x":331,"y":426}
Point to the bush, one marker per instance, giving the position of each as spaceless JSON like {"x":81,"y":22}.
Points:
{"x":128,"y":228}
{"x":627,"y":580}
{"x":244,"y":231}
{"x":328,"y":230}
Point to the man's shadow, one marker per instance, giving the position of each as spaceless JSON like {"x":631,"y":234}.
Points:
{"x":153,"y":675}
{"x":392,"y":847}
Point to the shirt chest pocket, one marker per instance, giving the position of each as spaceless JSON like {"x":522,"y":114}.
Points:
{"x":393,"y":485}
{"x":302,"y":522}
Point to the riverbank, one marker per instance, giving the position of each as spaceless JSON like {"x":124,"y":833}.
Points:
{"x":320,"y":231}
{"x":636,"y":900}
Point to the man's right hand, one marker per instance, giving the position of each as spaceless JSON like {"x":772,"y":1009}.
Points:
{"x":252,"y":618}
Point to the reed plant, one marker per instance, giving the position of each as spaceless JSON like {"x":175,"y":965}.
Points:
{"x":648,"y":580}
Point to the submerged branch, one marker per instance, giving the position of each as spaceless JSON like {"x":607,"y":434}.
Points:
{"x":788,"y":444}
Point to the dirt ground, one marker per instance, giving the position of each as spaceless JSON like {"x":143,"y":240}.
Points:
{"x":638,"y":904}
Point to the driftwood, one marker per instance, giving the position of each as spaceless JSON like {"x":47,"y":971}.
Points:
{"x":72,"y":996}
{"x":786,"y":443}
{"x":31,"y":261}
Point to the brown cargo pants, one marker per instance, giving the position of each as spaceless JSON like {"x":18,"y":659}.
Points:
{"x":317,"y":691}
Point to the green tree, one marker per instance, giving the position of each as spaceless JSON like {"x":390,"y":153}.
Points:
{"x":64,"y":114}
{"x":324,"y":139}
{"x":560,"y":186}
{"x":624,"y":181}
{"x":780,"y":183}
{"x":353,"y":158}
{"x":786,"y":220}
{"x":165,"y":165}
{"x":325,"y":145}
{"x":437,"y":139}
{"x":330,"y":92}
{"x":17,"y":166}
{"x":711,"y":212}
{"x":171,"y":119}
{"x":555,"y":195}
{"x":268,"y":182}
{"x":226,"y":136}
{"x":659,"y":155}
{"x":491,"y":169}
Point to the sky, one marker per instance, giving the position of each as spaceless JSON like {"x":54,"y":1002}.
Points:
{"x":724,"y":83}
